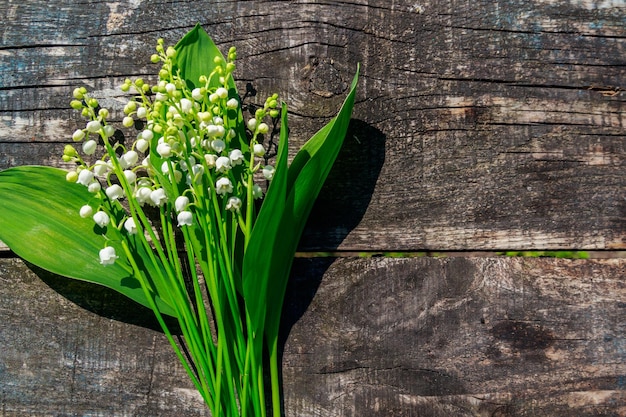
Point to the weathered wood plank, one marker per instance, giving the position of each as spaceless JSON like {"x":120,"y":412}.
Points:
{"x":484,"y":125}
{"x":364,"y":337}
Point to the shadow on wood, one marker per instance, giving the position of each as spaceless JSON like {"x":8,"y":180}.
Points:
{"x":102,"y":301}
{"x":347,"y":193}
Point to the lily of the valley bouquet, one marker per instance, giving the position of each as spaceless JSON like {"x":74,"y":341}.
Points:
{"x":189,"y":219}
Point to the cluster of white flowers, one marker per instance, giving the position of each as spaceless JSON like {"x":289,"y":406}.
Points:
{"x":192,"y":146}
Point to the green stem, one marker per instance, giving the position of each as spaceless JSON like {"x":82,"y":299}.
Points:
{"x":275,"y":379}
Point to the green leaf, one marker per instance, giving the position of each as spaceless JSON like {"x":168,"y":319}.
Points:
{"x":266,"y":236}
{"x":282,"y":217}
{"x":195,"y":54}
{"x":39,"y":221}
{"x":307,"y":174}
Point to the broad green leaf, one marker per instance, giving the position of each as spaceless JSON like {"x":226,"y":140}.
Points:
{"x":260,"y":255}
{"x":39,"y":221}
{"x":307,"y":174}
{"x":283,"y":216}
{"x":195,"y":54}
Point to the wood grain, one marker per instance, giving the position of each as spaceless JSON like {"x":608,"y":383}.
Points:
{"x":458,"y":337}
{"x":363,"y":337}
{"x":480,"y":125}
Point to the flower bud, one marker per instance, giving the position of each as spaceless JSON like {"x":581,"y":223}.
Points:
{"x":252,"y":124}
{"x":71,"y":176}
{"x":147,"y":134}
{"x":142,"y":112}
{"x":197,"y":94}
{"x":128,"y":121}
{"x":129,"y":159}
{"x":69,"y":150}
{"x":89,"y":147}
{"x":259,"y":149}
{"x":78,"y":93}
{"x":104,"y":113}
{"x":222,"y":92}
{"x":78,"y":135}
{"x":232,"y":104}
{"x":263,"y":128}
{"x":93,"y":126}
{"x":76,"y":104}
{"x":130,"y":107}
{"x":164,"y":150}
{"x":108,"y":131}
{"x":170,"y":88}
{"x":86,"y":211}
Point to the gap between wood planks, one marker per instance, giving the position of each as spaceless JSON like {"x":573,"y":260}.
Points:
{"x":5,"y":253}
{"x":572,"y":254}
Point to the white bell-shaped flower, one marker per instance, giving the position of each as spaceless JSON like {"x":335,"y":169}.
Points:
{"x":101,"y":218}
{"x":100,"y":168}
{"x":94,"y":187}
{"x":130,"y":226}
{"x":181,"y":203}
{"x":108,"y":256}
{"x":85,"y":177}
{"x":222,"y":164}
{"x":142,"y":194}
{"x":185,"y":218}
{"x":257,"y":191}
{"x":114,"y":192}
{"x":158,"y":197}
{"x":268,"y":172}
{"x":236,"y":157}
{"x":233,"y":204}
{"x":223,"y":186}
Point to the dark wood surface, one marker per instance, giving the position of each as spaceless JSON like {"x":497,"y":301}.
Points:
{"x":363,"y":337}
{"x":479,"y":126}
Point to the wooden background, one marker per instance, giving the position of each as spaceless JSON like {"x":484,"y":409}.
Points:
{"x":480,"y":126}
